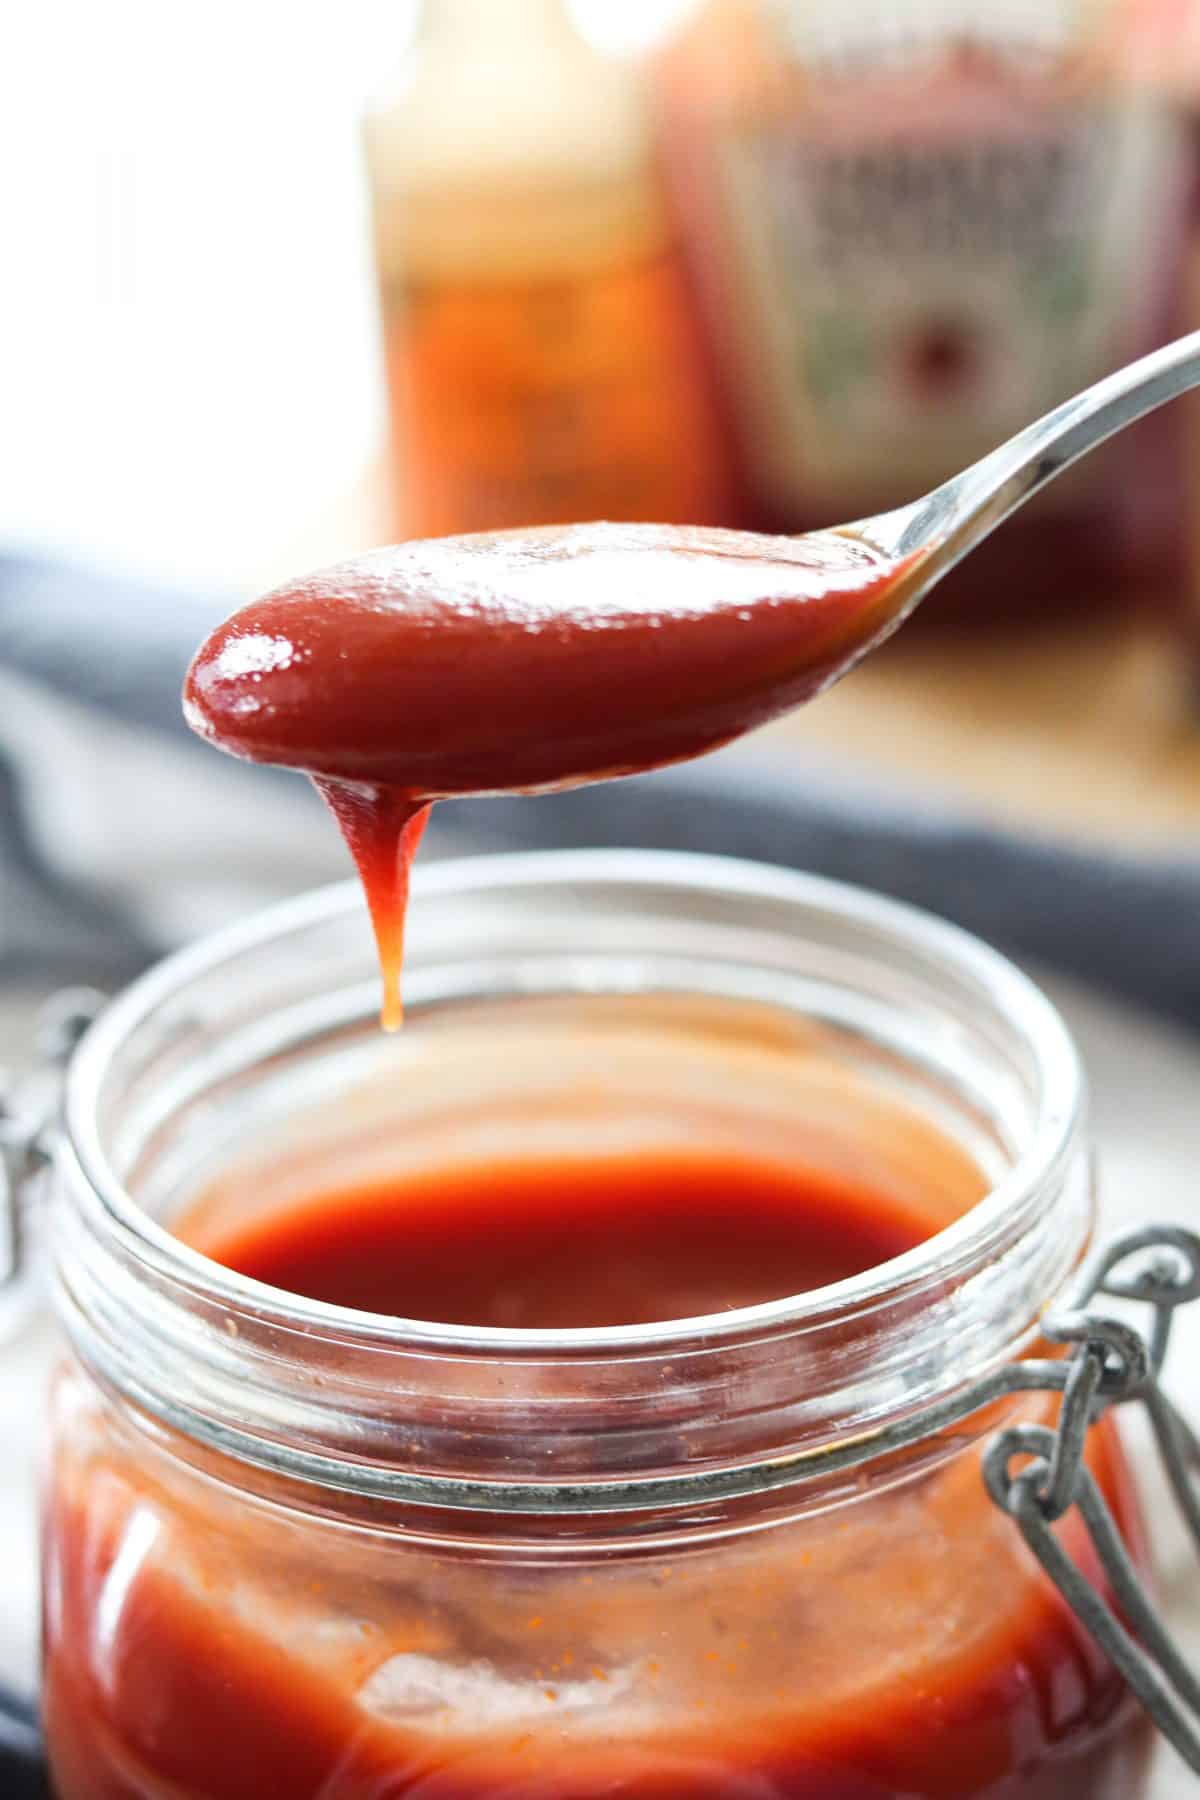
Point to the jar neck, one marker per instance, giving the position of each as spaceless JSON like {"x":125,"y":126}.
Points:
{"x":643,"y":1438}
{"x":771,"y":1003}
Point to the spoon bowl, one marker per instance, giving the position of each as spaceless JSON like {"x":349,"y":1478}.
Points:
{"x":526,"y":660}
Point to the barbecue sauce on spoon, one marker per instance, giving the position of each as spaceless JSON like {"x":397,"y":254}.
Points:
{"x":524,"y":661}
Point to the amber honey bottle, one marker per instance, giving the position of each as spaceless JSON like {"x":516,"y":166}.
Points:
{"x":542,"y":361}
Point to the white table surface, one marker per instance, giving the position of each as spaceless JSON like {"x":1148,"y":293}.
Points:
{"x":1145,"y":1081}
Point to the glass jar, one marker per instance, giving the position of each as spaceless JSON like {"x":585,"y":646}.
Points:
{"x":292,"y":1549}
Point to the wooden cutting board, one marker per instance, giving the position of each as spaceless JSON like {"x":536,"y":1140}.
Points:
{"x":1090,"y":733}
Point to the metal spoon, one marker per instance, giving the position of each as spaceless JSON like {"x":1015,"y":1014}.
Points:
{"x":530,"y":660}
{"x":944,"y":525}
{"x":522,"y":660}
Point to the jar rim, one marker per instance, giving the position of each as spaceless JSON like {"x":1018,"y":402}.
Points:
{"x":1012,"y":993}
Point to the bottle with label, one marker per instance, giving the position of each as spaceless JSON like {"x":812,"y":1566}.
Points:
{"x":915,"y":227}
{"x":543,"y":360}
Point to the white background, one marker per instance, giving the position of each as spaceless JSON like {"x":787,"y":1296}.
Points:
{"x":188,"y":353}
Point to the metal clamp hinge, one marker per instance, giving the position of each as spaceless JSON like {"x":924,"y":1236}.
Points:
{"x":29,"y":1107}
{"x":1037,"y":1474}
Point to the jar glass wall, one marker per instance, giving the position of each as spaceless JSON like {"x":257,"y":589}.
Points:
{"x":297,"y":1549}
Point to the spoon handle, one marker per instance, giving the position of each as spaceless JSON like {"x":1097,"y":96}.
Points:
{"x":956,"y":516}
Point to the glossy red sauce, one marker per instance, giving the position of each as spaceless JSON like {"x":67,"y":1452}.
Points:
{"x":608,"y":1241}
{"x":160,"y":1687}
{"x":525,"y":661}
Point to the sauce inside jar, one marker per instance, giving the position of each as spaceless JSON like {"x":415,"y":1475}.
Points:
{"x":595,"y":1242}
{"x":899,"y":1649}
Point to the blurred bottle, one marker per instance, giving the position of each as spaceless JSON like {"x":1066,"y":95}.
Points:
{"x":543,"y":361}
{"x":916,"y":225}
{"x":1161,"y":40}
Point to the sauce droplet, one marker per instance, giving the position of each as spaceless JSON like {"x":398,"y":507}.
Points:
{"x":383,"y":827}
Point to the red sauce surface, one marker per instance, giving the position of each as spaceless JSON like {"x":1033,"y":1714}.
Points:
{"x":163,"y":1684}
{"x":525,"y":661}
{"x":619,"y":1241}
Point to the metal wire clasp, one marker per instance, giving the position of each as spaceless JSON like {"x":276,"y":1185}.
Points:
{"x":28,"y":1108}
{"x":1037,"y":1474}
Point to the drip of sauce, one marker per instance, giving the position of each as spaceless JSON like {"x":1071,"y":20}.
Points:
{"x":519,"y":662}
{"x":382,"y":827}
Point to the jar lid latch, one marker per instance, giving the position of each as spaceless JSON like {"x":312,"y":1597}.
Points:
{"x":1037,"y":1474}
